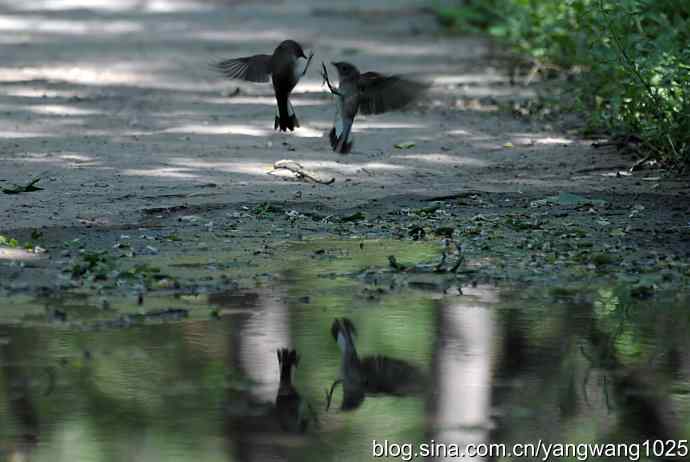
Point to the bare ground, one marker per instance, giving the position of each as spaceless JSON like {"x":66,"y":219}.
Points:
{"x":114,"y":108}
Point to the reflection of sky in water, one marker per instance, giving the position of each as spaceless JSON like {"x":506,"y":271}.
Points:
{"x":504,"y":366}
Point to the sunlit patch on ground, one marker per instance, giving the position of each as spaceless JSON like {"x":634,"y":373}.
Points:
{"x":162,"y":172}
{"x":143,"y":6}
{"x":388,"y":48}
{"x":91,"y":75}
{"x":17,"y":254}
{"x":348,"y":169}
{"x":270,"y":37}
{"x":370,"y":122}
{"x":22,"y":134}
{"x":59,"y":109}
{"x":437,"y":158}
{"x":465,"y":79}
{"x":34,"y":91}
{"x":550,"y":140}
{"x":235,"y":129}
{"x":41,"y":25}
{"x":261,"y":100}
{"x":248,"y":167}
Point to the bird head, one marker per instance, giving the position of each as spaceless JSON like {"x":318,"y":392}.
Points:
{"x":293,"y":47}
{"x":346,"y":70}
{"x":343,"y":331}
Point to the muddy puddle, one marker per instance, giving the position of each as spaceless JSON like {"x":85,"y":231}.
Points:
{"x":177,"y":376}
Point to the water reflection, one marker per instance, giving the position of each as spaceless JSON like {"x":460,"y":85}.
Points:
{"x":463,"y":368}
{"x":372,"y":374}
{"x":23,"y":411}
{"x":294,"y":413}
{"x":507,"y":366}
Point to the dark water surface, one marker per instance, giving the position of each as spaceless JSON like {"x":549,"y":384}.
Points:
{"x":80,"y":382}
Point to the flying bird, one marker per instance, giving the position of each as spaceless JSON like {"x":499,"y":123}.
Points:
{"x":284,"y":67}
{"x":368,"y":93}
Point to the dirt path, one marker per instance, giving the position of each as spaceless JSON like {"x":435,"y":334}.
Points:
{"x":115,"y":109}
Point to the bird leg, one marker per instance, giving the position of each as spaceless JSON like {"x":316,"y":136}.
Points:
{"x":329,"y":394}
{"x":306,"y":66}
{"x":327,"y":81}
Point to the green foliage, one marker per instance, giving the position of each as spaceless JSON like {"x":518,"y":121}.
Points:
{"x":102,"y":267}
{"x":641,"y":72}
{"x":266,"y":209}
{"x":13,"y":243}
{"x":634,"y":53}
{"x":95,"y":266}
{"x":8,"y":242}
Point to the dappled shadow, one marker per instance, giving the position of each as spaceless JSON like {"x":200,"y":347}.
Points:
{"x":115,"y":99}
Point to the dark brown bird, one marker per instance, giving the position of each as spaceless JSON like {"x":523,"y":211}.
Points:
{"x":370,"y":93}
{"x":284,"y":67}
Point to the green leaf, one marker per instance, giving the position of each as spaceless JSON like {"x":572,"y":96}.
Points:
{"x":406,"y":145}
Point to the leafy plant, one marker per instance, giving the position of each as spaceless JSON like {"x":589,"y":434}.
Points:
{"x":634,"y":56}
{"x":8,"y":242}
{"x":92,"y":265}
{"x":266,"y":209}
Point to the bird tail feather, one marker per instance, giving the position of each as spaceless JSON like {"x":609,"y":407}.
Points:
{"x":343,"y":143}
{"x":286,"y":119}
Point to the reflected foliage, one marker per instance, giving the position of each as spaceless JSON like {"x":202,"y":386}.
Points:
{"x":592,"y":366}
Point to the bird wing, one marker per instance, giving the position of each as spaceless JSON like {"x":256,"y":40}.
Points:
{"x":255,"y":68}
{"x":380,"y":93}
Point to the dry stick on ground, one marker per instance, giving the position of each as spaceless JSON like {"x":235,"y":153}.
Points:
{"x":639,"y":164}
{"x":29,"y":187}
{"x":437,"y":268}
{"x":298,"y":169}
{"x":393,"y":263}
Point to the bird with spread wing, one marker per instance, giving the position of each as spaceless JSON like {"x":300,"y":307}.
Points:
{"x":285,"y":67}
{"x":370,"y":375}
{"x":368,"y":93}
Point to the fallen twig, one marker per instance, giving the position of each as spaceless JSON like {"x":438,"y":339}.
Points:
{"x":393,"y":262}
{"x":458,"y":195}
{"x":430,"y":268}
{"x":640,"y":164}
{"x":29,"y":187}
{"x":298,"y":169}
{"x":440,"y":268}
